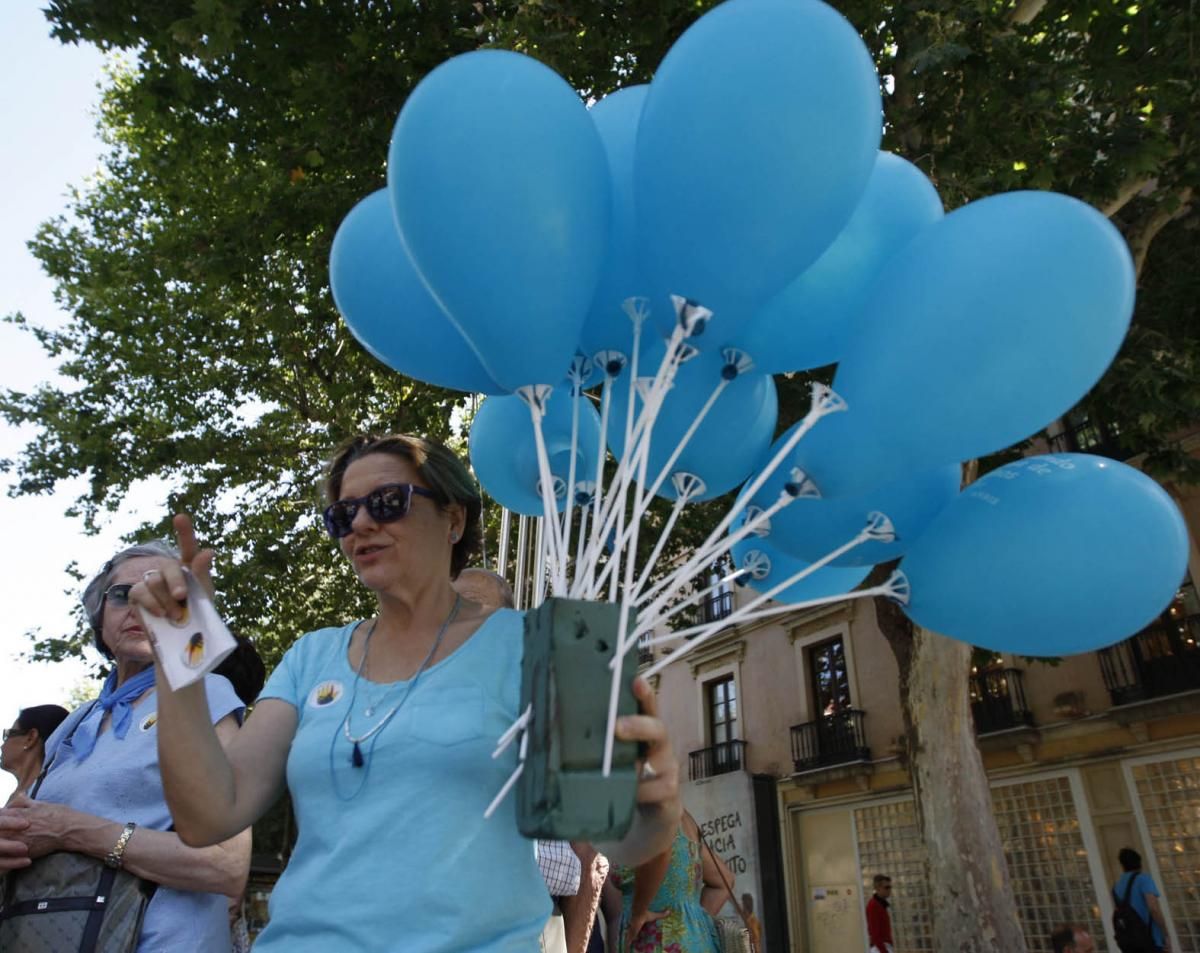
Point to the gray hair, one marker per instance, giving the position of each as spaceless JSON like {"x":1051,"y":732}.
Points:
{"x":93,"y":595}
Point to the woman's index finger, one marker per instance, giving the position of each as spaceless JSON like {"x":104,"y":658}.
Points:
{"x":185,"y":535}
{"x":647,"y":700}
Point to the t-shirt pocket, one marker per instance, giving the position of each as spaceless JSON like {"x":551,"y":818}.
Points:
{"x":450,"y":717}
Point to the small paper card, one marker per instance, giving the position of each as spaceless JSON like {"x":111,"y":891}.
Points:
{"x":192,"y":647}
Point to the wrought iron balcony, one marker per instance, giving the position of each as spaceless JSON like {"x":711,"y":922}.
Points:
{"x":832,"y":739}
{"x":712,"y":608}
{"x":1086,"y":433}
{"x":723,"y":758}
{"x":998,"y":700}
{"x":1162,"y":659}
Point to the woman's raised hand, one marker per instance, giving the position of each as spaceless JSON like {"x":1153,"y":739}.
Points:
{"x":163,"y":588}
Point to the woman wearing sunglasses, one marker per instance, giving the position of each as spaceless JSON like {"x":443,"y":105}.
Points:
{"x":383,"y":729}
{"x":24,"y":748}
{"x":102,"y":794}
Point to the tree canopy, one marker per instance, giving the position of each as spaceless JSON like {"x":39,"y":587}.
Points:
{"x":203,"y":344}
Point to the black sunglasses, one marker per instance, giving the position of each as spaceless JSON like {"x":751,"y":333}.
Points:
{"x":385,"y":504}
{"x":15,"y":733}
{"x":118,"y":594}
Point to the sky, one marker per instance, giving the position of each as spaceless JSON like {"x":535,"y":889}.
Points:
{"x":48,"y":144}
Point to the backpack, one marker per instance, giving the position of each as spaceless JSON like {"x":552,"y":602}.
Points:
{"x":1132,"y":933}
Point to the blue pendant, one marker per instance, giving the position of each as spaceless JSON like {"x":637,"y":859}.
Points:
{"x":356,"y":756}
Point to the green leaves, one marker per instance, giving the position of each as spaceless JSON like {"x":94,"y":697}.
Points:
{"x":204,"y":346}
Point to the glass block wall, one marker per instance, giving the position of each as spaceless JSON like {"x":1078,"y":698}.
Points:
{"x":1047,"y":860}
{"x":889,"y":842}
{"x":1169,"y":792}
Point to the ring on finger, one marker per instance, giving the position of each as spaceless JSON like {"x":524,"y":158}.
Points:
{"x":648,"y":772}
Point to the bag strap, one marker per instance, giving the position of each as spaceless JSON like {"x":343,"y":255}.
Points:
{"x":728,"y":888}
{"x":91,"y":932}
{"x":46,"y":769}
{"x":1128,"y":891}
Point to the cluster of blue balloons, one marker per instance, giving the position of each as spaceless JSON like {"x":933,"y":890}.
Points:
{"x":517,"y":223}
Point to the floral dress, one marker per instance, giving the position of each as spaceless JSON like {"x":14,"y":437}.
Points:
{"x":688,"y":928}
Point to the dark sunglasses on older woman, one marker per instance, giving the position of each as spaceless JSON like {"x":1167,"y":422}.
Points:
{"x":117,"y":595}
{"x":385,"y":504}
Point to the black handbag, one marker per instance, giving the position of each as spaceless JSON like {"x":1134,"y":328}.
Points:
{"x":66,"y":902}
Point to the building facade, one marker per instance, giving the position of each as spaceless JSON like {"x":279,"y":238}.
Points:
{"x":791,"y":739}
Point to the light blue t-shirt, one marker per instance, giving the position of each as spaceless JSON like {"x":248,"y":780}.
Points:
{"x":1144,"y":887}
{"x":396,"y":855}
{"x":120,"y":781}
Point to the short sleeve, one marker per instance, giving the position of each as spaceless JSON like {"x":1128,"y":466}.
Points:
{"x":222,"y":699}
{"x":284,"y":682}
{"x":1147,"y":887}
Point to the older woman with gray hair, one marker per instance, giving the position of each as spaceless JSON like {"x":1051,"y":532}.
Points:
{"x":102,"y":794}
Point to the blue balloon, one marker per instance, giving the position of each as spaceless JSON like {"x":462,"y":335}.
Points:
{"x":769,"y":566}
{"x":500,"y":187}
{"x":988,"y":325}
{"x":387,"y":307}
{"x":757,"y":138}
{"x":607,"y":326}
{"x":503,"y":449}
{"x":808,"y":323}
{"x":811,"y":527}
{"x":728,"y":444}
{"x":1050,"y":555}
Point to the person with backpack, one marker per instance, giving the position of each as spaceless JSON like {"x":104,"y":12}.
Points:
{"x":1138,"y":922}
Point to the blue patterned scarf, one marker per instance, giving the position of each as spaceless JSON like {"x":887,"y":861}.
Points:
{"x":119,"y":701}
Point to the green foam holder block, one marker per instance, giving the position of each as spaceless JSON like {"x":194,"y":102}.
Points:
{"x":565,"y":680}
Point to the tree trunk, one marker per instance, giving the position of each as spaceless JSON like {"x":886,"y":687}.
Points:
{"x":969,"y":889}
{"x":970,"y":895}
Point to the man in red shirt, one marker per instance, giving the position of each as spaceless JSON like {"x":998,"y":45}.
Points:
{"x":879,"y":921}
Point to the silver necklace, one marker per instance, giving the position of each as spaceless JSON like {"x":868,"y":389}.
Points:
{"x":356,"y":755}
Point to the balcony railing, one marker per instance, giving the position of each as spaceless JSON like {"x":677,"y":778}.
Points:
{"x":1086,"y":434}
{"x":832,"y":739}
{"x":723,"y":758}
{"x":998,"y":700}
{"x":712,"y":608}
{"x":1162,"y":659}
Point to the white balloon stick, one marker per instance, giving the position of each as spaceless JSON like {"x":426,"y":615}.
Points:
{"x":535,"y":398}
{"x":636,"y":443}
{"x":522,"y":562}
{"x":539,"y":564}
{"x":583,"y":574}
{"x":505,"y":539}
{"x":508,"y":785}
{"x":647,"y":497}
{"x":569,"y":508}
{"x":681,"y":500}
{"x":644,"y":627}
{"x":642,"y":501}
{"x":665,"y":588}
{"x":512,"y":731}
{"x":884,"y":589}
{"x":824,"y":401}
{"x":577,"y":376}
{"x":583,"y":528}
{"x":622,"y":634}
{"x":871,"y":532}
